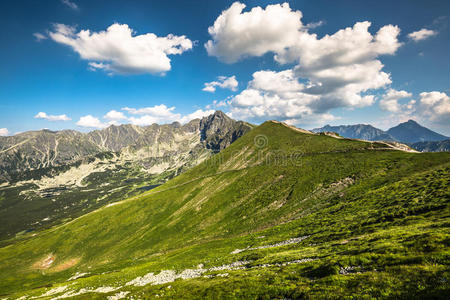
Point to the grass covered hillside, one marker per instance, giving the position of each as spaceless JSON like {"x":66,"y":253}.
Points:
{"x":280,"y":213}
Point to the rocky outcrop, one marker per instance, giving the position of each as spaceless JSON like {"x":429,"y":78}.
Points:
{"x":218,"y":131}
{"x":152,"y":145}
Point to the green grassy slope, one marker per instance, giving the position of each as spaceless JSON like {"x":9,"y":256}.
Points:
{"x":27,"y":208}
{"x":374,"y":221}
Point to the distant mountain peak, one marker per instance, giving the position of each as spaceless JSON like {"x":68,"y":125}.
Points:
{"x":412,"y":132}
{"x":357,"y":131}
{"x":219,"y":114}
{"x":406,"y":132}
{"x":45,"y":148}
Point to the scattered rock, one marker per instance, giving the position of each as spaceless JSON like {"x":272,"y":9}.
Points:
{"x":45,"y":263}
{"x":77,"y":275}
{"x":283,"y":243}
{"x":167,"y":276}
{"x":118,"y":296}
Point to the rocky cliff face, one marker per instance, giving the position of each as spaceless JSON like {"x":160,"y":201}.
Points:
{"x":47,"y":177}
{"x":164,"y":146}
{"x":218,"y":131}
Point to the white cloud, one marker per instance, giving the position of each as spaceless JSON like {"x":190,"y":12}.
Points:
{"x":389,"y":102}
{"x":4,"y":131}
{"x":198,"y":114}
{"x":119,"y":51}
{"x":276,"y":95}
{"x":343,"y":66}
{"x":161,"y":114}
{"x":158,"y":110}
{"x":39,"y":36}
{"x":434,"y":106}
{"x":70,"y":4}
{"x":421,"y":34}
{"x":114,"y":115}
{"x":223,"y":82}
{"x":91,"y":122}
{"x":338,"y":70}
{"x":146,"y":120}
{"x":431,"y":108}
{"x":43,"y":115}
{"x":314,"y":24}
{"x":236,"y":34}
{"x":347,"y":46}
{"x":219,"y":104}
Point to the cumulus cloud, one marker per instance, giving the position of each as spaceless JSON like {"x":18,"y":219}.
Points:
{"x":198,"y":114}
{"x":162,"y":114}
{"x":236,"y":34}
{"x":343,"y":66}
{"x":118,"y":50}
{"x":158,"y":110}
{"x":314,"y":24}
{"x":70,"y":4}
{"x":39,"y":36}
{"x":4,"y":131}
{"x":223,"y":82}
{"x":434,"y":106}
{"x":91,"y":122}
{"x":276,"y":95}
{"x":338,"y":70}
{"x":421,"y":34}
{"x":43,"y":115}
{"x":389,"y":102}
{"x":114,"y":115}
{"x":431,"y":107}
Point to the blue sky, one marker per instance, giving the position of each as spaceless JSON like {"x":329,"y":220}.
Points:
{"x":47,"y":68}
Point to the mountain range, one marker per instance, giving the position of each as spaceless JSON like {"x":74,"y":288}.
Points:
{"x":48,"y":177}
{"x":281,"y":213}
{"x":148,"y":145}
{"x":409,"y":132}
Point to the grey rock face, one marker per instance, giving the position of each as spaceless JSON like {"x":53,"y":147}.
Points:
{"x":218,"y":131}
{"x":43,"y":149}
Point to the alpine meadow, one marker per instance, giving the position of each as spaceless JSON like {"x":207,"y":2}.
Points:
{"x":224,"y":150}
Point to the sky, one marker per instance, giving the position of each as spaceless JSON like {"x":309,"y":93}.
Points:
{"x":84,"y":65}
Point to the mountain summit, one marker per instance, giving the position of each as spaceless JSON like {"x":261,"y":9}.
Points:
{"x":34,"y":150}
{"x":407,"y":132}
{"x":48,"y":176}
{"x":412,"y":132}
{"x":299,"y":215}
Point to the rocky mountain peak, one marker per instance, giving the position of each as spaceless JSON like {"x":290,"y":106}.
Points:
{"x":45,"y":148}
{"x":218,"y":130}
{"x":412,"y":132}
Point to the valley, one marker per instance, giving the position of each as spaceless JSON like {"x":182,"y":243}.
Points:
{"x":41,"y":191}
{"x":297,"y":215}
{"x":174,"y":149}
